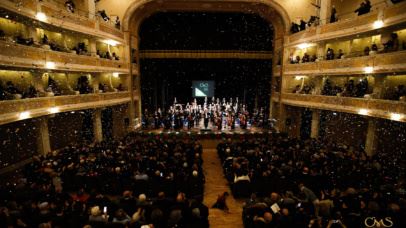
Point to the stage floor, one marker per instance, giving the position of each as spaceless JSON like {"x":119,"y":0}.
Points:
{"x":210,"y":130}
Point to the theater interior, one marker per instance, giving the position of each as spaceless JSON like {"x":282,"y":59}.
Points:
{"x":202,"y":113}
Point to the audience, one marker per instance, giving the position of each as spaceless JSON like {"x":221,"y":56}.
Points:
{"x":140,"y":180}
{"x":314,"y":183}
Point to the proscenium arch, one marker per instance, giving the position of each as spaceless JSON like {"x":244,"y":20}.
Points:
{"x":139,"y":10}
{"x":270,"y":10}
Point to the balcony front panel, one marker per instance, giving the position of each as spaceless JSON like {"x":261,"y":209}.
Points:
{"x":10,"y":109}
{"x":381,"y":63}
{"x":375,"y":107}
{"x":61,"y":14}
{"x":60,"y":17}
{"x":32,"y":57}
{"x":110,"y":30}
{"x":310,"y":32}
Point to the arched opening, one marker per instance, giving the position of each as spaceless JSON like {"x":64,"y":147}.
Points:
{"x":270,"y":11}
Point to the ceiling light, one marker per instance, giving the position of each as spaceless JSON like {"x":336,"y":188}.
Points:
{"x":299,"y":77}
{"x":368,"y":70}
{"x":304,"y":45}
{"x":50,"y":65}
{"x":24,"y":115}
{"x":41,"y":16}
{"x":116,"y":74}
{"x":53,"y":110}
{"x":363,"y":111}
{"x":111,"y":42}
{"x":378,"y":24}
{"x":395,"y":116}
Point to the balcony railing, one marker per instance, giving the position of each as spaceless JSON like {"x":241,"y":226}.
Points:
{"x":10,"y":110}
{"x":392,"y":14}
{"x":57,"y":15}
{"x":371,"y":107}
{"x":380,"y":63}
{"x":17,"y":55}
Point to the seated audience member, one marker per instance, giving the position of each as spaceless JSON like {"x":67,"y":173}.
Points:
{"x":327,"y":88}
{"x":396,"y":1}
{"x":361,"y":88}
{"x":364,"y":8}
{"x":297,"y":60}
{"x":98,"y":54}
{"x":115,"y":57}
{"x":349,"y":90}
{"x":313,"y":58}
{"x":11,"y":89}
{"x":399,"y":92}
{"x":83,"y":85}
{"x":70,"y":6}
{"x":296,"y":89}
{"x":302,"y":25}
{"x":53,"y":87}
{"x":21,"y":40}
{"x":314,"y":20}
{"x":330,"y":54}
{"x":120,"y":87}
{"x":107,"y":55}
{"x":294,"y":28}
{"x":367,"y":51}
{"x":374,"y":49}
{"x":103,"y":15}
{"x":305,"y":58}
{"x":392,"y":44}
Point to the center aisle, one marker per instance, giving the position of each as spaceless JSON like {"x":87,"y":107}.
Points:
{"x":215,"y":185}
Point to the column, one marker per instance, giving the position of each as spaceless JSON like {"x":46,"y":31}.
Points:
{"x":92,"y":47}
{"x":371,"y":139}
{"x":119,"y":114}
{"x":321,"y":50}
{"x":282,"y":118}
{"x":33,"y":34}
{"x":38,"y":82}
{"x":95,"y":82}
{"x":315,"y":123}
{"x":379,"y":87}
{"x":43,"y":142}
{"x":325,"y":11}
{"x":97,"y":126}
{"x":91,"y":7}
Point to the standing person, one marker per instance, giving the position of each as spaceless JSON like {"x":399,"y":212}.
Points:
{"x":206,"y":119}
{"x":333,"y":16}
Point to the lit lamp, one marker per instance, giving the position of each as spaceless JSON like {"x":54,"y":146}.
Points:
{"x":368,"y":70}
{"x":378,"y":24}
{"x":24,"y":115}
{"x":363,"y":111}
{"x":50,"y":65}
{"x":395,"y":116}
{"x":41,"y":16}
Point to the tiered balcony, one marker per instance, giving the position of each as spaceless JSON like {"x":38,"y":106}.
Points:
{"x":392,"y":15}
{"x":57,"y":15}
{"x":380,"y":63}
{"x":372,"y":107}
{"x":16,"y":55}
{"x":14,"y":110}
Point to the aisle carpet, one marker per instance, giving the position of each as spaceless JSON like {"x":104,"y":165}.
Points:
{"x":215,"y":185}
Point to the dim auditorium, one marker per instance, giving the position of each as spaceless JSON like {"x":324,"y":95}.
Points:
{"x":202,"y":113}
